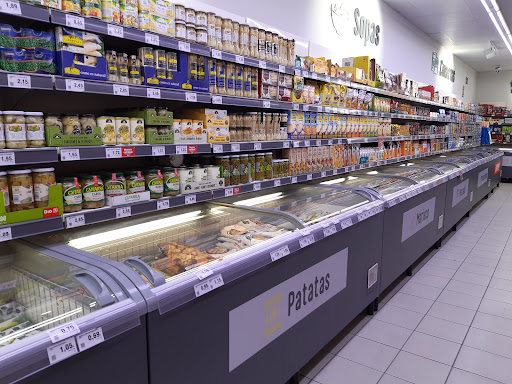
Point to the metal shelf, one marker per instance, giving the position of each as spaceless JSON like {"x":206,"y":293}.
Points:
{"x":26,"y":80}
{"x":30,"y":228}
{"x":28,"y":156}
{"x":26,"y":11}
{"x":251,"y":61}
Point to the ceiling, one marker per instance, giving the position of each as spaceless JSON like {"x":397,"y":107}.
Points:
{"x":461,"y":25}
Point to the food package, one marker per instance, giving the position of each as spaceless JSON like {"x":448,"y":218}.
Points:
{"x":158,"y":7}
{"x":216,"y":122}
{"x":129,"y":15}
{"x":298,"y":89}
{"x":161,"y":24}
{"x":111,"y":11}
{"x":71,"y":6}
{"x":91,"y":8}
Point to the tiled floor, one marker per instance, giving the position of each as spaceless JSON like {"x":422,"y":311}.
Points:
{"x":450,"y":323}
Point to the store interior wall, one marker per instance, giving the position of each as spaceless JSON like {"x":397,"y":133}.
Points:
{"x":402,"y":47}
{"x":495,"y":88}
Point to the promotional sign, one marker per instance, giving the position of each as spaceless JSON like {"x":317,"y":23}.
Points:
{"x":418,"y":218}
{"x":460,"y":192}
{"x":482,"y":177}
{"x":258,"y":322}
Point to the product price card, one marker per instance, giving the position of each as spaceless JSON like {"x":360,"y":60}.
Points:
{"x":75,"y":85}
{"x":346,"y":223}
{"x":309,"y":176}
{"x":62,"y":332}
{"x":330,"y":230}
{"x":266,"y":103}
{"x":75,"y":22}
{"x":152,"y":39}
{"x":294,"y":179}
{"x":121,"y":90}
{"x":235,"y":147}
{"x":184,"y":46}
{"x":75,"y":221}
{"x":307,"y":143}
{"x":277,"y":183}
{"x":216,"y":99}
{"x":217,"y":148}
{"x":181,"y":150}
{"x":123,"y":212}
{"x":153,"y":93}
{"x":191,"y":97}
{"x":257,"y":146}
{"x":305,"y":107}
{"x":7,"y":158}
{"x":19,"y":81}
{"x":90,"y":339}
{"x":296,"y":144}
{"x":216,"y":54}
{"x":306,"y":240}
{"x":113,"y":153}
{"x":163,"y":204}
{"x":286,"y":144}
{"x":115,"y":30}
{"x":158,"y":150}
{"x":5,"y":234}
{"x":203,"y":273}
{"x":239,"y":59}
{"x":282,"y":68}
{"x":324,"y":173}
{"x":279,"y":253}
{"x":61,"y":351}
{"x":208,"y":285}
{"x":190,"y":199}
{"x":72,"y":154}
{"x":228,"y":192}
{"x":295,"y":106}
{"x":262,"y":64}
{"x":256,"y":187}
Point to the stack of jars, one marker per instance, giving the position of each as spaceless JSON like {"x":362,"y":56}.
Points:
{"x":20,"y":129}
{"x":190,"y":25}
{"x":123,"y":68}
{"x":166,"y":63}
{"x":256,"y":126}
{"x":231,"y":79}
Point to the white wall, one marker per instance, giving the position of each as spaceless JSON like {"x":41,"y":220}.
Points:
{"x":402,"y":48}
{"x":494,"y":88}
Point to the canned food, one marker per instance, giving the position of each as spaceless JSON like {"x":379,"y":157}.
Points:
{"x":136,"y":130}
{"x":122,"y":130}
{"x":108,"y":130}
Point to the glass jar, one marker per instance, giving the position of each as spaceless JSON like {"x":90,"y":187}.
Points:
{"x":71,"y":194}
{"x":235,"y":37}
{"x":291,"y":53}
{"x":154,"y":183}
{"x":221,"y":77}
{"x":201,"y":19}
{"x":244,"y":40}
{"x":192,"y":66}
{"x":181,"y":30}
{"x":15,"y":129}
{"x":268,"y":165}
{"x":239,"y":80}
{"x":244,"y":169}
{"x":172,"y":62}
{"x":234,"y":167}
{"x":190,"y":16}
{"x":252,"y":118}
{"x":179,"y":12}
{"x":122,"y":67}
{"x":93,"y":192}
{"x":53,"y":120}
{"x":171,"y":181}
{"x":254,"y":83}
{"x":275,"y":126}
{"x":224,"y":164}
{"x":212,"y":79}
{"x":2,"y":131}
{"x":191,"y":33}
{"x":275,"y":48}
{"x":283,"y":126}
{"x":261,"y":44}
{"x":218,"y":31}
{"x":35,"y":129}
{"x":135,"y":182}
{"x":260,"y":167}
{"x":253,"y":42}
{"x":261,"y":125}
{"x":281,"y":50}
{"x":267,"y":122}
{"x":21,"y":189}
{"x":227,"y":35}
{"x":252,"y":167}
{"x":230,"y":79}
{"x":212,"y":40}
{"x":115,"y":184}
{"x":160,"y":59}
{"x":246,"y":72}
{"x":43,"y":178}
{"x":71,"y":124}
{"x":202,"y":35}
{"x":112,"y":73}
{"x":268,"y":46}
{"x":134,"y":70}
{"x":146,"y":56}
{"x":4,"y":188}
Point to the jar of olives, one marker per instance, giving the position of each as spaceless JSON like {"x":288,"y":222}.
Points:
{"x":93,"y":192}
{"x":15,"y":129}
{"x":43,"y":178}
{"x":4,"y":188}
{"x":71,"y":194}
{"x":154,"y":183}
{"x":21,"y":188}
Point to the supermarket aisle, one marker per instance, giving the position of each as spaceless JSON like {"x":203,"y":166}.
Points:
{"x":450,"y":323}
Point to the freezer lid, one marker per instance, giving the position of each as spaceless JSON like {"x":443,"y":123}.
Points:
{"x":47,"y":299}
{"x":308,"y":203}
{"x":443,"y":167}
{"x":417,"y":174}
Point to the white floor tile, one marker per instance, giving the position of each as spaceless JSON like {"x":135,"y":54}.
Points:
{"x":503,"y":284}
{"x":492,"y":255}
{"x":458,"y":376}
{"x":467,"y":288}
{"x":338,"y":342}
{"x":443,"y":329}
{"x":503,"y":274}
{"x":489,"y":342}
{"x":499,"y":295}
{"x":491,"y":323}
{"x":489,"y":248}
{"x":421,"y":290}
{"x":417,"y":369}
{"x":442,"y":254}
{"x":350,"y":372}
{"x":472,"y":278}
{"x":475,"y":268}
{"x":496,"y":308}
{"x":369,"y":353}
{"x":485,"y":364}
{"x":385,"y":333}
{"x":399,"y":316}
{"x":433,"y":348}
{"x":388,"y":379}
{"x":459,"y":299}
{"x":478,"y":260}
{"x":412,"y":303}
{"x":434,"y":281}
{"x":452,"y":313}
{"x":507,"y":265}
{"x":438,"y":271}
{"x":438,"y":262}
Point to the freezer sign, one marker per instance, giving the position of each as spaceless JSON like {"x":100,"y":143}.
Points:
{"x":273,"y":311}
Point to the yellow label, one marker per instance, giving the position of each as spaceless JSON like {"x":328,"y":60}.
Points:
{"x":73,"y":40}
{"x":152,"y":80}
{"x":187,"y":86}
{"x":72,"y":71}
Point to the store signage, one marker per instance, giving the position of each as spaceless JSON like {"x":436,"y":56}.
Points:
{"x":482,"y":177}
{"x":366,"y":29}
{"x":460,"y":192}
{"x":258,"y":322}
{"x":497,"y":167}
{"x":418,"y":218}
{"x":446,"y":72}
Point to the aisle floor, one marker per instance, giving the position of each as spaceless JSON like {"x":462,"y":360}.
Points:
{"x":451,"y":322}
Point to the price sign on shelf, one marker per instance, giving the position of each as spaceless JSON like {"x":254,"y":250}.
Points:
{"x":5,"y":234}
{"x":71,"y":154}
{"x":63,"y":332}
{"x":19,"y":81}
{"x":314,"y":75}
{"x":75,"y":22}
{"x":208,"y":285}
{"x":152,"y":39}
{"x":286,"y":144}
{"x":203,"y":273}
{"x":75,"y":85}
{"x":7,"y":158}
{"x":75,"y":221}
{"x":305,"y":107}
{"x":282,"y":68}
{"x":266,"y":103}
{"x":191,"y":97}
{"x":296,"y":144}
{"x":280,"y":253}
{"x":309,"y":176}
{"x":330,"y":230}
{"x":216,"y":54}
{"x":10,"y":6}
{"x":257,"y":146}
{"x":62,"y":351}
{"x":216,"y":99}
{"x":305,"y":73}
{"x":277,"y":183}
{"x":294,"y":179}
{"x":184,"y":46}
{"x":256,"y":187}
{"x":307,"y":143}
{"x":297,"y":72}
{"x":217,"y":148}
{"x":158,"y":150}
{"x":324,"y":174}
{"x":163,"y":204}
{"x":295,"y":106}
{"x":346,"y":223}
{"x":121,"y":89}
{"x":115,"y":30}
{"x":228,"y":192}
{"x":306,"y":240}
{"x":190,"y":199}
{"x":90,"y":339}
{"x":318,"y":143}
{"x":239,"y":59}
{"x":235,"y":147}
{"x":113,"y":153}
{"x":181,"y":149}
{"x":334,"y":171}
{"x":123,"y":212}
{"x":262,"y":64}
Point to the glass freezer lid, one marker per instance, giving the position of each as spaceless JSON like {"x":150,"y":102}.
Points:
{"x":419,"y":175}
{"x":385,"y":185}
{"x":162,"y":245}
{"x":39,"y":292}
{"x":444,"y":167}
{"x":310,"y":204}
{"x":460,"y":161}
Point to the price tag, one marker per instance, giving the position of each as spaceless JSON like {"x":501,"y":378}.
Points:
{"x":216,"y":54}
{"x":75,"y":85}
{"x":158,"y":150}
{"x":346,"y":223}
{"x":7,"y":158}
{"x":257,"y":146}
{"x":163,"y":204}
{"x":262,"y":64}
{"x":266,"y":103}
{"x":216,"y":99}
{"x":181,"y":150}
{"x":204,"y":273}
{"x":121,"y":90}
{"x":296,"y":144}
{"x":62,"y":332}
{"x":123,"y":212}
{"x":330,"y":230}
{"x":217,"y":148}
{"x":294,"y":179}
{"x":327,"y":109}
{"x":305,"y":107}
{"x":307,"y":143}
{"x":239,"y":59}
{"x":71,"y":154}
{"x":18,"y":81}
{"x":282,"y":68}
{"x":90,"y":339}
{"x":115,"y":30}
{"x":314,"y":75}
{"x":277,"y":183}
{"x":324,"y":174}
{"x":365,"y":139}
{"x":191,"y":96}
{"x":318,"y":143}
{"x":5,"y":234}
{"x":295,"y":106}
{"x":309,"y":176}
{"x":153,"y":93}
{"x":152,"y":39}
{"x":280,"y":253}
{"x":208,"y":285}
{"x":305,"y":73}
{"x":297,"y":72}
{"x":256,"y":187}
{"x":75,"y":22}
{"x":307,"y":240}
{"x":113,"y":153}
{"x":62,"y":350}
{"x":286,"y":144}
{"x":228,"y":192}
{"x":75,"y":221}
{"x":190,"y":199}
{"x":184,"y":46}
{"x":334,"y":171}
{"x":235,"y":147}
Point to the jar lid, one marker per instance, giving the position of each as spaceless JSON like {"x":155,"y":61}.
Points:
{"x":223,"y":157}
{"x":191,"y":26}
{"x":244,"y":155}
{"x":3,"y":173}
{"x":211,"y":13}
{"x":179,"y":22}
{"x":90,"y":177}
{"x":191,"y":9}
{"x":150,"y":171}
{"x":19,"y":172}
{"x":88,"y":115}
{"x":34,"y":113}
{"x":14,"y":113}
{"x":268,"y":153}
{"x":43,"y":170}
{"x":109,"y":174}
{"x":201,"y":28}
{"x":235,"y":156}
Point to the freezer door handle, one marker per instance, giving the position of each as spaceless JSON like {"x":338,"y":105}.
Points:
{"x":149,"y":273}
{"x":96,"y":287}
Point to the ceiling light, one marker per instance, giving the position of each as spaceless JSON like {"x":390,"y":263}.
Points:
{"x":503,"y":22}
{"x":495,"y":5}
{"x":496,"y":24}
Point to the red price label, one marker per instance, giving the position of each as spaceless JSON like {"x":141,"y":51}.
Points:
{"x":191,"y":149}
{"x":50,"y":212}
{"x":128,"y":152}
{"x":237,"y":190}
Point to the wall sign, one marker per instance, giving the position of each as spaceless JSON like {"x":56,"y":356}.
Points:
{"x":446,"y":72}
{"x":435,"y":63}
{"x":339,"y":18}
{"x":366,"y":29}
{"x":261,"y":320}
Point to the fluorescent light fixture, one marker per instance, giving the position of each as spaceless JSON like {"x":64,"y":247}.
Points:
{"x":487,"y":9}
{"x":495,"y":5}
{"x":260,"y":200}
{"x":503,"y":22}
{"x":373,"y":173}
{"x":335,"y":181}
{"x":505,"y":35}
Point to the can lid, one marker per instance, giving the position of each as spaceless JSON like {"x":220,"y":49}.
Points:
{"x":14,"y":113}
{"x":37,"y":170}
{"x":19,"y":172}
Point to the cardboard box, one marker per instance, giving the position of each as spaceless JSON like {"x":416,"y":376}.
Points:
{"x":54,"y":138}
{"x":187,"y":133}
{"x":216,"y":122}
